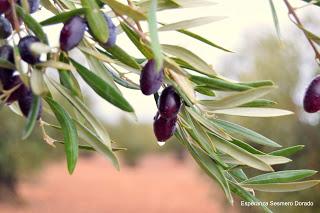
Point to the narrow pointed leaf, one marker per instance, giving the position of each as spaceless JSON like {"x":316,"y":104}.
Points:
{"x":248,"y":134}
{"x":236,"y":99}
{"x":153,"y":31}
{"x":32,"y":116}
{"x":97,"y":23}
{"x":69,"y":133}
{"x":286,"y":152}
{"x":62,"y":17}
{"x":280,"y":177}
{"x":102,"y":88}
{"x":189,"y":57}
{"x":282,"y":187}
{"x":187,"y":24}
{"x":126,"y":10}
{"x":254,"y":112}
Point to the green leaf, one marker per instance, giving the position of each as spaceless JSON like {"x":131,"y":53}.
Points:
{"x":204,"y":91}
{"x":286,"y":152}
{"x":123,"y":56}
{"x":261,"y":83}
{"x":84,"y":111}
{"x":259,"y":103}
{"x":136,"y":40}
{"x":275,"y":18}
{"x":32,"y":24}
{"x":280,"y":177}
{"x":268,"y":159}
{"x":7,"y":64}
{"x":187,"y":24}
{"x":189,"y":57}
{"x":91,"y":139}
{"x":49,"y":6}
{"x":237,"y":99}
{"x":153,"y":31}
{"x":102,"y":88}
{"x":218,"y":84}
{"x":254,"y":112}
{"x":240,"y":154}
{"x":247,"y":196}
{"x":162,"y":5}
{"x":32,"y":116}
{"x":208,"y":124}
{"x":96,"y":21}
{"x":70,"y":134}
{"x":63,"y":17}
{"x":126,"y":10}
{"x":246,"y":146}
{"x":202,"y":39}
{"x":248,"y":134}
{"x":68,"y":80}
{"x":208,"y":165}
{"x":282,"y":187}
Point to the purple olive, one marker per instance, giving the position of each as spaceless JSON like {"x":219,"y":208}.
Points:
{"x":25,"y":103}
{"x":169,"y":103}
{"x":112,"y":32}
{"x":150,"y":78}
{"x":25,"y":52}
{"x":5,"y":28}
{"x":311,"y":102}
{"x":72,"y":33}
{"x":164,"y":128}
{"x":20,"y":91}
{"x":6,"y":53}
{"x":33,"y":5}
{"x":4,"y":6}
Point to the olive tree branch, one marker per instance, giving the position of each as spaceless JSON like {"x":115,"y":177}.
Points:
{"x":292,"y":12}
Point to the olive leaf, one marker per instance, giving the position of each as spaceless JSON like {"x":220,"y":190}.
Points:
{"x":286,"y":152}
{"x":69,"y":131}
{"x":102,"y":88}
{"x":62,"y":17}
{"x":254,"y":112}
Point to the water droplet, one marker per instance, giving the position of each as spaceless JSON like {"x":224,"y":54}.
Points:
{"x":161,"y":143}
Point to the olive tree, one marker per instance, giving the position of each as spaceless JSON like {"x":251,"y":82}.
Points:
{"x":191,"y":96}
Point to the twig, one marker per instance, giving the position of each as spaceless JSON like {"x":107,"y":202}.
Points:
{"x":294,"y":15}
{"x":137,"y":23}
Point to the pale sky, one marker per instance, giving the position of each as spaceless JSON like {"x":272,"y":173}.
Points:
{"x":242,"y":16}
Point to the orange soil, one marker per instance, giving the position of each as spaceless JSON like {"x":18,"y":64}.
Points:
{"x":157,"y":184}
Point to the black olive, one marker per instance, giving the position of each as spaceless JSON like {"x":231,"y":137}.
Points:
{"x":25,"y":52}
{"x":150,"y":78}
{"x":112,"y":33}
{"x":4,"y":6}
{"x":25,"y":103}
{"x":311,"y":102}
{"x":164,"y":128}
{"x":6,"y":53}
{"x":5,"y":28}
{"x":169,"y":103}
{"x":72,"y":33}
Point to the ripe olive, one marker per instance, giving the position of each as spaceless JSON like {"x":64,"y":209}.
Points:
{"x":72,"y":33}
{"x":20,"y":91}
{"x":112,"y":33}
{"x":6,"y":53}
{"x":25,"y":52}
{"x":164,"y":128}
{"x":150,"y":78}
{"x":311,"y":102}
{"x":5,"y":28}
{"x":169,"y":103}
{"x":4,"y":6}
{"x":25,"y":103}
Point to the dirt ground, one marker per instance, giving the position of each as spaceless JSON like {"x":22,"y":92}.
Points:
{"x":159,"y":184}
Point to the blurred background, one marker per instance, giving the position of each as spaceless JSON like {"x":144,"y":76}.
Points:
{"x":33,"y":175}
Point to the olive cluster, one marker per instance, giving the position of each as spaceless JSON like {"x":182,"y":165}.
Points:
{"x":13,"y":87}
{"x":74,"y":29}
{"x":169,"y":102}
{"x":311,"y":102}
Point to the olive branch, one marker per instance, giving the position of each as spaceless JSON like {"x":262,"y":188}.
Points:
{"x":187,"y":90}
